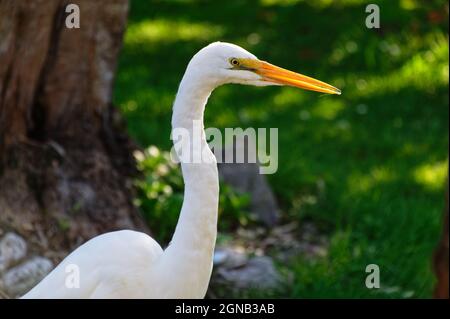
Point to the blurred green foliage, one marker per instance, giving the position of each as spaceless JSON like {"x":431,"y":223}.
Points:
{"x":160,"y":195}
{"x":368,"y":167}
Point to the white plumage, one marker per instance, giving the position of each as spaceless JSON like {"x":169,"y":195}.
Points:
{"x":129,"y":264}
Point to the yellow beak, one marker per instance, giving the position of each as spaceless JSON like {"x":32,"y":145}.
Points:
{"x":275,"y":74}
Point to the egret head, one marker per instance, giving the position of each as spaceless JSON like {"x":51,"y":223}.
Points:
{"x":220,"y":63}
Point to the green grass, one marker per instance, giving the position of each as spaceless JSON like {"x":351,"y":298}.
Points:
{"x":368,"y":167}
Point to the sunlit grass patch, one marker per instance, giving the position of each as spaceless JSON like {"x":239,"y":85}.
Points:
{"x":431,"y":175}
{"x":163,"y":30}
{"x":362,"y":183}
{"x":286,"y":97}
{"x":328,"y":108}
{"x":426,"y":70}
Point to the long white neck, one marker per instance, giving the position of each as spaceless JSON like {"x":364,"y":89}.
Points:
{"x":192,"y":247}
{"x":197,"y":225}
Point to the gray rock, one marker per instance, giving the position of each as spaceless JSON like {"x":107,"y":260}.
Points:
{"x":18,"y":280}
{"x":12,"y":249}
{"x":258,"y":273}
{"x":229,"y":258}
{"x":245,"y":177}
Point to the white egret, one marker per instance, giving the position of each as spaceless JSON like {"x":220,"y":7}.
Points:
{"x":130,"y":264}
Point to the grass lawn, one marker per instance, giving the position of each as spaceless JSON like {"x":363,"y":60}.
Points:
{"x":367,"y":167}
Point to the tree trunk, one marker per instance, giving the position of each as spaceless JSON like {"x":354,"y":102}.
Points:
{"x":65,"y":161}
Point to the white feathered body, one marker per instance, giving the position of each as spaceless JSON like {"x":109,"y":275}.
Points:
{"x":121,"y":264}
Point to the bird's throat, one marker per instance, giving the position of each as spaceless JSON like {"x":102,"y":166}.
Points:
{"x":195,"y":235}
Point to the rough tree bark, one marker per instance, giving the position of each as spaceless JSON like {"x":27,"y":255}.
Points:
{"x":65,"y":162}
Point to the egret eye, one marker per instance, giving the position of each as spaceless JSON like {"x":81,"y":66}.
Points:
{"x":234,"y":62}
